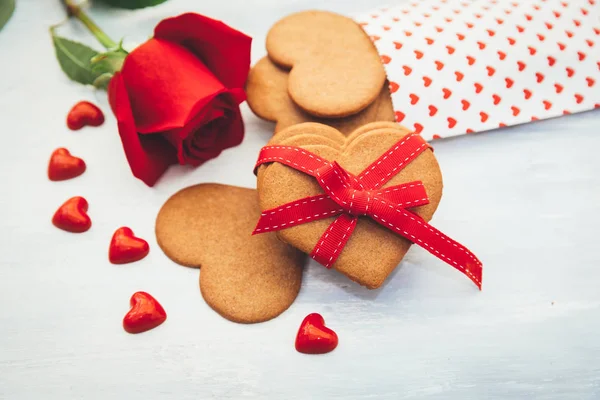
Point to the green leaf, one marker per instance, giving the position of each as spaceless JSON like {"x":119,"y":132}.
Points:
{"x":6,"y":10}
{"x":75,"y":60}
{"x":131,"y":4}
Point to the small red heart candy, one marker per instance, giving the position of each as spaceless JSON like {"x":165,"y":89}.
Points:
{"x":509,"y":82}
{"x":126,"y":248}
{"x":407,"y":70}
{"x":450,"y":49}
{"x":146,"y":313}
{"x":393,"y":86}
{"x":426,"y":81}
{"x":451,"y":122}
{"x":414,"y":99}
{"x":484,"y":116}
{"x":397,"y":45}
{"x":83,"y":114}
{"x":478,"y":87}
{"x":72,"y":216}
{"x":385,"y":59}
{"x":447,"y":93}
{"x":432,"y":110}
{"x":497,"y":99}
{"x":314,"y":337}
{"x":63,"y":165}
{"x":465,"y":104}
{"x":527,"y":93}
{"x":470,"y":60}
{"x":502,"y":55}
{"x":459,"y":76}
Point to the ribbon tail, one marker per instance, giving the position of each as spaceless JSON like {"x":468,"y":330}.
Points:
{"x":415,"y":229}
{"x":332,"y":242}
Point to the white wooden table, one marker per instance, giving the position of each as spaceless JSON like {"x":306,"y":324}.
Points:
{"x":525,"y":199}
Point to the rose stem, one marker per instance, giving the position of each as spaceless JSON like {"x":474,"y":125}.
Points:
{"x":76,"y":11}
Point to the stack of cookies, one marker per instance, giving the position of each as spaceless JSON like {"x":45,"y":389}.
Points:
{"x":324,"y":85}
{"x":321,"y":67}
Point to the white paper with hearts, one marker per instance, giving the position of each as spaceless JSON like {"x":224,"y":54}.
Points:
{"x":459,"y":66}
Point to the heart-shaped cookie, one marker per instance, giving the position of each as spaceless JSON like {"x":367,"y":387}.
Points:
{"x":335,"y":68}
{"x":373,"y":251}
{"x":244,"y":278}
{"x":267,"y":92}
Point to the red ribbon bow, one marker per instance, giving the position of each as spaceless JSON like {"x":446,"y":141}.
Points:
{"x":352,"y":196}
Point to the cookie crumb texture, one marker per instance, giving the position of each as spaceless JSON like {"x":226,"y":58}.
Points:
{"x":244,"y":278}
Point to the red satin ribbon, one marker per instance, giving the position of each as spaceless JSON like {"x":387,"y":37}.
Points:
{"x":352,"y":196}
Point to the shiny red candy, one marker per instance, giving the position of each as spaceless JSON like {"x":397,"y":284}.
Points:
{"x":64,"y":166}
{"x":314,"y":337}
{"x":146,"y":313}
{"x":83,"y":114}
{"x":126,"y":248}
{"x":72,"y":216}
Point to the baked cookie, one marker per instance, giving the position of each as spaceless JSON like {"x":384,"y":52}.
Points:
{"x":335,"y":70}
{"x":268,"y":98}
{"x":373,"y":251}
{"x":244,"y":278}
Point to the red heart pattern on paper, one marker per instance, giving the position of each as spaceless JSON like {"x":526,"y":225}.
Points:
{"x":72,"y":216}
{"x":146,"y":313}
{"x":536,"y":57}
{"x":83,"y":114}
{"x":63,"y":165}
{"x":126,"y":248}
{"x":314,"y":337}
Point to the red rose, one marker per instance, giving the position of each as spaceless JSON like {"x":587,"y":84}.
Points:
{"x":177,"y":97}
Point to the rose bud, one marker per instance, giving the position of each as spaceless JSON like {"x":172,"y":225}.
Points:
{"x":177,"y":97}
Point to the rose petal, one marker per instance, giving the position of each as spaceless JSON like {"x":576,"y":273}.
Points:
{"x":224,"y":50}
{"x":149,"y":156}
{"x":168,"y":84}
